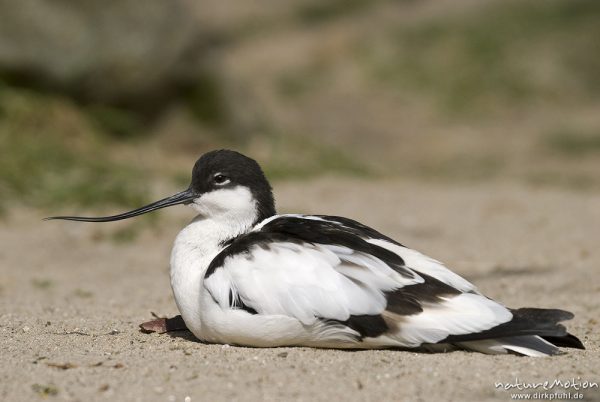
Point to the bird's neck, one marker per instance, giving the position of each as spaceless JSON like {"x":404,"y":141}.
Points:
{"x":195,"y":247}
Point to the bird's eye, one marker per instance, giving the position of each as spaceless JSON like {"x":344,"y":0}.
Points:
{"x":220,"y":179}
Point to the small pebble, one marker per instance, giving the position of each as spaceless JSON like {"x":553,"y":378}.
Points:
{"x":26,"y":329}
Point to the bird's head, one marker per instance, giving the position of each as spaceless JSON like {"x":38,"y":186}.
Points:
{"x":225,"y":184}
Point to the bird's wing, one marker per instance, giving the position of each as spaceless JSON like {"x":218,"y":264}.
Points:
{"x":332,"y":269}
{"x":412,"y":259}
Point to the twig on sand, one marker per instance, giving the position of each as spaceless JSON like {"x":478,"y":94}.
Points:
{"x":162,"y":324}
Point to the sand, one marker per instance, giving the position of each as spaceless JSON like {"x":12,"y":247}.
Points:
{"x":71,"y":299}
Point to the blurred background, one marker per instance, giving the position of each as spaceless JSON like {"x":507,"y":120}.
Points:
{"x":468,"y":129}
{"x":102,"y":104}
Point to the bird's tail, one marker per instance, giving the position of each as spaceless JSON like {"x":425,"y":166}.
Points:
{"x":531,"y":332}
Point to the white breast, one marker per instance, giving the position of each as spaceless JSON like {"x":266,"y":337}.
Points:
{"x":198,"y":243}
{"x":192,"y":253}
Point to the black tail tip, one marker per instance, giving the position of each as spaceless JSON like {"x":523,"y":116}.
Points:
{"x":567,"y":341}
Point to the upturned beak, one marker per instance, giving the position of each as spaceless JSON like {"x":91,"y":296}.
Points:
{"x":184,"y":197}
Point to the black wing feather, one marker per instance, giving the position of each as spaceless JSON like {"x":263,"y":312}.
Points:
{"x":301,"y":230}
{"x":527,"y":321}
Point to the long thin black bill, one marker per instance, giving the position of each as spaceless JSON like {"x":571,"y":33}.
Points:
{"x":184,"y":197}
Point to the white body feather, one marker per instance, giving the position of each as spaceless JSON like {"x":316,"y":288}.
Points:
{"x":291,"y":284}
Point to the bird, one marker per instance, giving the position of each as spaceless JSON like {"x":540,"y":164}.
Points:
{"x":243,"y":275}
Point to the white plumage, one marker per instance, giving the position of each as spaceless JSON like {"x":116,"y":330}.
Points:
{"x":309,"y":282}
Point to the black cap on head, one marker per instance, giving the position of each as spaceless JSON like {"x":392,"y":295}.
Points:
{"x":227,"y":169}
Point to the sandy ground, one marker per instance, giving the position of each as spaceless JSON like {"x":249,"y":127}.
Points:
{"x":71,"y":300}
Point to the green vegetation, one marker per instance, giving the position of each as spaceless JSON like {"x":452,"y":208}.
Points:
{"x":298,"y":157}
{"x":83,"y":294}
{"x":42,"y":283}
{"x":207,"y":101}
{"x":56,"y":154}
{"x":453,"y":85}
{"x":118,"y":122}
{"x":503,"y":55}
{"x":45,"y":390}
{"x":52,"y":156}
{"x":295,"y":84}
{"x":324,"y":11}
{"x":574,"y":143}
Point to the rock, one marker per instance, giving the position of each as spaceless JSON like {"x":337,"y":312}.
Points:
{"x":122,"y":52}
